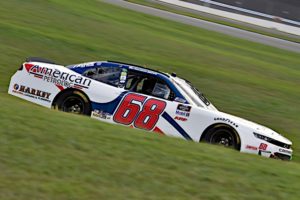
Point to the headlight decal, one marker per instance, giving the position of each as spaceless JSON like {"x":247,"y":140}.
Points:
{"x":272,"y":141}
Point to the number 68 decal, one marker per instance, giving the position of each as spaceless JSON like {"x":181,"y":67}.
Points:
{"x":134,"y":109}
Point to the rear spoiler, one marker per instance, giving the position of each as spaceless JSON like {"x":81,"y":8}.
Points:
{"x":37,"y":59}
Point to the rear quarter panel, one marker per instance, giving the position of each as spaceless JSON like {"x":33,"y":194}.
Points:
{"x":41,"y":82}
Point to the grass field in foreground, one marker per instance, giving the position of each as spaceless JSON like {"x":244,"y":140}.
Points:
{"x":46,"y":154}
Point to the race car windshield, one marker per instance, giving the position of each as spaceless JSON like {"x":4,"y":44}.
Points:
{"x":193,"y":93}
{"x":198,"y":93}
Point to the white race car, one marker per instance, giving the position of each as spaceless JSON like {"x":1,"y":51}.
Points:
{"x":142,"y":98}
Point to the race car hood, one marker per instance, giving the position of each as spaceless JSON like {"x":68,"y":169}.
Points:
{"x":257,"y":128}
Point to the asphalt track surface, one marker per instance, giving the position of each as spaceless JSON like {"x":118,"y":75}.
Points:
{"x":235,"y":32}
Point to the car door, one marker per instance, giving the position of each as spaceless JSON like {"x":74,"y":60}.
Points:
{"x":147,"y":103}
{"x":106,"y":91}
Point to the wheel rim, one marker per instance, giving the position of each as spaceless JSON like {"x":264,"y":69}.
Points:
{"x":223,"y":138}
{"x":73,"y":104}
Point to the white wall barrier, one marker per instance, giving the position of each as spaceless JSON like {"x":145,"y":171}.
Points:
{"x":247,"y":19}
{"x":255,"y":13}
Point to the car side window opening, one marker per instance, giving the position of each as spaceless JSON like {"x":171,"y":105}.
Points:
{"x":146,"y":84}
{"x":108,"y":75}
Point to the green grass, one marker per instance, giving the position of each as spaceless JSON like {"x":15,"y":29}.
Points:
{"x":45,"y":154}
{"x":284,"y":36}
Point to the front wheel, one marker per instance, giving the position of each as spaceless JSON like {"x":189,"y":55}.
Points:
{"x":222,"y":136}
{"x":73,"y":102}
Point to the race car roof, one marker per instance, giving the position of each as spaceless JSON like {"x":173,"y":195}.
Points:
{"x":80,"y":68}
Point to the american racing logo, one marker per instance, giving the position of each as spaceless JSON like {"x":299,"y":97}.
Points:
{"x":57,"y":77}
{"x":31,"y":92}
{"x":183,"y":110}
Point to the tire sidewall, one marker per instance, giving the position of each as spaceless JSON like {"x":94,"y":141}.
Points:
{"x":211,"y":133}
{"x":59,"y":103}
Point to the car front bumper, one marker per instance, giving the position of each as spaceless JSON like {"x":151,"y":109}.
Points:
{"x":276,"y":152}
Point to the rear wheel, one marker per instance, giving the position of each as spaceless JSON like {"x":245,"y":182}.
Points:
{"x":222,"y":136}
{"x":73,"y":102}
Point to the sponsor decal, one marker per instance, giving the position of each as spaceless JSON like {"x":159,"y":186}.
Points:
{"x":57,"y":77}
{"x":226,"y":120}
{"x":285,"y":151}
{"x":263,"y":146}
{"x":185,"y":114}
{"x":83,"y":65}
{"x":183,"y":110}
{"x":183,"y":107}
{"x":251,"y":147}
{"x":180,"y":100}
{"x":180,"y":118}
{"x":31,"y":92}
{"x":263,"y":152}
{"x":101,"y":114}
{"x":123,"y":77}
{"x":142,"y":70}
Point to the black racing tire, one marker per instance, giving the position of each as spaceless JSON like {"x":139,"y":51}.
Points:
{"x":73,"y":102}
{"x":222,"y":136}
